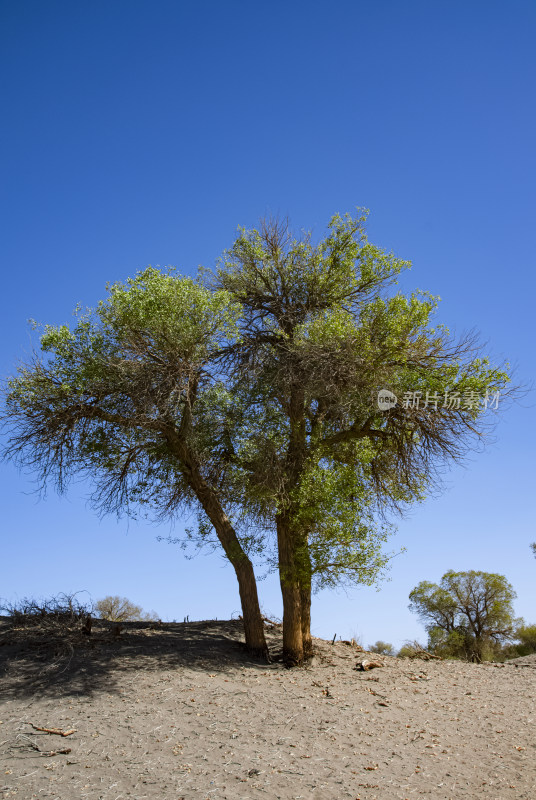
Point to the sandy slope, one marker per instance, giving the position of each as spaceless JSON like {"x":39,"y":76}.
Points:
{"x":182,"y":712}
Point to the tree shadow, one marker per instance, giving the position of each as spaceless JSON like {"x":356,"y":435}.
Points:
{"x":77,"y":665}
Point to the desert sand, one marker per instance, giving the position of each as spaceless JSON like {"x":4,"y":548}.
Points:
{"x":183,"y":712}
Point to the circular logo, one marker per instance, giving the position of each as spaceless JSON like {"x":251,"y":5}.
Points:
{"x":386,"y":400}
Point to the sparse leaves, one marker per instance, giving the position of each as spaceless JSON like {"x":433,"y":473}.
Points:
{"x":120,"y":609}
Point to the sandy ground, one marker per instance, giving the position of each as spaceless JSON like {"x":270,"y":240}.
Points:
{"x":183,"y":712}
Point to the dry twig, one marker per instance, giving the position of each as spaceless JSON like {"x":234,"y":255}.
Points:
{"x":57,"y":731}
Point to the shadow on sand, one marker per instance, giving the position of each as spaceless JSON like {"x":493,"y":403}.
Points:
{"x":31,"y":665}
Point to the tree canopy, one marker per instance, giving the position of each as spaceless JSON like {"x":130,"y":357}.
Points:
{"x":467,"y":613}
{"x":314,"y":455}
{"x":124,"y":400}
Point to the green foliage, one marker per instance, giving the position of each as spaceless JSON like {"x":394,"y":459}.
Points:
{"x":345,"y":542}
{"x":406,"y":651}
{"x":526,"y":635}
{"x":411,"y":650}
{"x":449,"y":644}
{"x":468,"y":615}
{"x":103,"y":403}
{"x":318,"y":339}
{"x":382,"y":648}
{"x":174,"y":314}
{"x":524,"y":643}
{"x":261,"y":380}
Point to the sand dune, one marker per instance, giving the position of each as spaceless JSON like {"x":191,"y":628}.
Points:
{"x":183,"y":712}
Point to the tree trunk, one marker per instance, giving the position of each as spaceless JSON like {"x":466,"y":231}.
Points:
{"x":478,"y":648}
{"x":305,"y":575}
{"x":305,"y":596}
{"x":251,"y":613}
{"x":207,"y":497}
{"x":293,"y":652}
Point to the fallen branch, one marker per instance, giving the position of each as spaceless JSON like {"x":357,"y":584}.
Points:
{"x":57,"y":731}
{"x":64,"y":751}
{"x":419,"y":652}
{"x":424,"y":655}
{"x":271,"y":622}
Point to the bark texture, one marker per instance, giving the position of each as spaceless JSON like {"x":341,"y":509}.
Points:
{"x":290,"y":590}
{"x":247,"y":585}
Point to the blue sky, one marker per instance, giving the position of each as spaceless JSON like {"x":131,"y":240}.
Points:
{"x":140,"y":133}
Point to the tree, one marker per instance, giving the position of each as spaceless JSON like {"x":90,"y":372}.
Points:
{"x":526,"y":636}
{"x":533,"y":548}
{"x":252,"y":396}
{"x":310,"y":452}
{"x":467,"y":614}
{"x":382,"y":648}
{"x":125,"y":399}
{"x":120,"y":609}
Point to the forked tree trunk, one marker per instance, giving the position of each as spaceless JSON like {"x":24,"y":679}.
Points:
{"x":293,"y":653}
{"x":294,"y":561}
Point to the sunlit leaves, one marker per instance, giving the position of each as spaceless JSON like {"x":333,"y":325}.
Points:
{"x":465,"y":610}
{"x":173,"y":315}
{"x":320,"y":336}
{"x":270,"y":371}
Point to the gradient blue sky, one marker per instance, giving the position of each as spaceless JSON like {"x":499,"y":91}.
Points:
{"x":140,"y":133}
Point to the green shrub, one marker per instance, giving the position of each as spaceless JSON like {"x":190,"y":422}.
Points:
{"x":382,"y":648}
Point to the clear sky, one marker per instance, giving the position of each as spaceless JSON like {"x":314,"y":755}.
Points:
{"x":139,"y":133}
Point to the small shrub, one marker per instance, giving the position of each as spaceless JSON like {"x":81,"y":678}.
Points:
{"x":60,"y":611}
{"x":414,"y":650}
{"x":382,"y":648}
{"x":51,"y":629}
{"x":406,"y":651}
{"x":120,"y":609}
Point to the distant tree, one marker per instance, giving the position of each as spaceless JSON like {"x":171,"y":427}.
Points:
{"x":526,"y":636}
{"x":382,"y":648}
{"x":533,"y":546}
{"x":120,"y":609}
{"x":468,"y":615}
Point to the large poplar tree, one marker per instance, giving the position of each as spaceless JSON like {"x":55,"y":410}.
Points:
{"x":252,"y":394}
{"x":316,"y":455}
